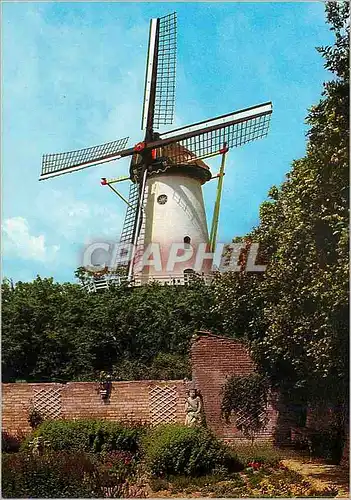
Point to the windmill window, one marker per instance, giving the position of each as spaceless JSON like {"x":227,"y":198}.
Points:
{"x":162,"y":199}
{"x":187,"y":241}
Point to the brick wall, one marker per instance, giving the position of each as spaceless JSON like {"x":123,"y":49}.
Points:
{"x":128,"y":400}
{"x":213,"y":360}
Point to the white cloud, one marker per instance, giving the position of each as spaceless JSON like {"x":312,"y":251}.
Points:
{"x":19,"y":242}
{"x":77,"y":221}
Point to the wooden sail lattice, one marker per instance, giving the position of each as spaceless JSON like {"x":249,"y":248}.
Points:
{"x":163,"y":404}
{"x":166,"y":71}
{"x":48,"y":402}
{"x":59,"y":162}
{"x":207,"y":141}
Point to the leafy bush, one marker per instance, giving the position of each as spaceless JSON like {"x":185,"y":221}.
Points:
{"x":176,"y":449}
{"x":158,"y":484}
{"x":35,"y":418}
{"x":164,"y":366}
{"x":52,"y":475}
{"x":246,"y":396}
{"x":327,"y":444}
{"x":120,"y":463}
{"x":10,"y":443}
{"x":87,"y":435}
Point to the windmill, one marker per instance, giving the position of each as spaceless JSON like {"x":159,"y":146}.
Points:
{"x":167,"y":169}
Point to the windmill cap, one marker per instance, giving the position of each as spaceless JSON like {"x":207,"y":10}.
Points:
{"x":180,"y":155}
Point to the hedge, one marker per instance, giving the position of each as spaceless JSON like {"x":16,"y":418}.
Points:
{"x":87,"y":435}
{"x":175,"y":449}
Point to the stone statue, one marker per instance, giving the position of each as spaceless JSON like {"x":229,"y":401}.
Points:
{"x":193,"y":409}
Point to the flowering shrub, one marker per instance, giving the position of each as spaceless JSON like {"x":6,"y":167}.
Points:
{"x":118,"y":463}
{"x":115,"y":474}
{"x":261,"y":453}
{"x":63,"y":474}
{"x":255,"y":465}
{"x":38,"y":445}
{"x":52,"y":475}
{"x":112,"y":457}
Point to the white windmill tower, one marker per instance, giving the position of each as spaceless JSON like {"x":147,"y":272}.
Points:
{"x":165,"y":211}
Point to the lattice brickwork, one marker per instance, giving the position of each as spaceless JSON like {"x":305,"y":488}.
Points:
{"x":245,"y":421}
{"x":48,"y":402}
{"x":163,"y":404}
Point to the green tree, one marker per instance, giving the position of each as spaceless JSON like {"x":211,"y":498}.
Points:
{"x":54,"y":332}
{"x":42,"y":337}
{"x":297,"y":313}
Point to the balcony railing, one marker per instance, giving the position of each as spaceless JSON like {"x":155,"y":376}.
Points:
{"x":110,"y":280}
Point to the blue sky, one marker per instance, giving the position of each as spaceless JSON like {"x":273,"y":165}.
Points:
{"x":73,"y":76}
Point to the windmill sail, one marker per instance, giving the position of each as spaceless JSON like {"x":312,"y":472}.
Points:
{"x":129,"y":221}
{"x":62,"y":163}
{"x":159,"y":94}
{"x":127,"y":235}
{"x":166,"y":71}
{"x":207,"y":137}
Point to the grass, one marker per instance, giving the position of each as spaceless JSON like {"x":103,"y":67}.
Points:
{"x":264,"y":453}
{"x":208,"y":484}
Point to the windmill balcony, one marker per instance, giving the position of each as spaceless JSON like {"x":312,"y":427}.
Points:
{"x":105,"y":282}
